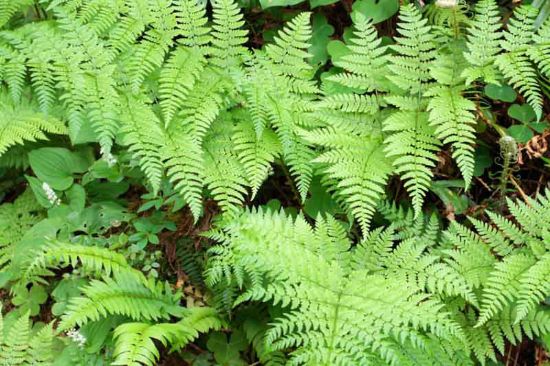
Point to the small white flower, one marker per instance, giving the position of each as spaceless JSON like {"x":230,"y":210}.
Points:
{"x":50,"y":194}
{"x":76,"y":337}
{"x":110,"y":159}
{"x":446,"y":3}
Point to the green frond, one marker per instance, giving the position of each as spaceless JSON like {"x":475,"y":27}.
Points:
{"x":468,"y":254}
{"x":534,"y":287}
{"x":177,"y":77}
{"x":14,"y":347}
{"x":8,"y":8}
{"x":226,"y":178}
{"x":493,"y":237}
{"x":102,"y":102}
{"x":289,"y":49}
{"x":125,"y":32}
{"x":135,"y":344}
{"x":324,"y":295}
{"x":192,"y":23}
{"x":20,"y":346}
{"x":228,"y":35}
{"x":503,"y":284}
{"x":100,"y":15}
{"x":41,"y":350}
{"x":256,"y":154}
{"x":453,"y":117}
{"x":20,"y":122}
{"x":141,"y":131}
{"x":414,"y":51}
{"x":359,"y":165}
{"x":411,"y":141}
{"x":147,"y":56}
{"x":203,"y":103}
{"x":539,"y":52}
{"x":96,"y":260}
{"x":184,"y":162}
{"x":135,"y":341}
{"x":515,"y":64}
{"x":42,"y":75}
{"x":123,"y":295}
{"x":483,"y":43}
{"x":366,"y":65}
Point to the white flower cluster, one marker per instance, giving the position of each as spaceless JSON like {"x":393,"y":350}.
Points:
{"x":50,"y":193}
{"x":446,"y":3}
{"x":109,"y":158}
{"x":76,"y":337}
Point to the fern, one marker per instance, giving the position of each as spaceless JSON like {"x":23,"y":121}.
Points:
{"x":513,"y":282}
{"x":483,"y":43}
{"x":515,"y":63}
{"x":268,"y":253}
{"x":227,"y":33}
{"x":123,"y":295}
{"x":99,"y":261}
{"x":20,"y":122}
{"x":412,"y":141}
{"x":134,"y":341}
{"x":8,"y":8}
{"x":15,"y":220}
{"x":177,"y":77}
{"x":452,"y":114}
{"x":358,"y":164}
{"x":142,"y":132}
{"x":20,"y":346}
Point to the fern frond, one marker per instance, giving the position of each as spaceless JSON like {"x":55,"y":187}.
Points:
{"x":15,"y":345}
{"x":8,"y":8}
{"x":539,"y":52}
{"x":483,"y":43}
{"x":415,"y":50}
{"x":534,"y":287}
{"x":454,"y":119}
{"x":358,"y":163}
{"x":255,"y":153}
{"x":289,"y":49}
{"x":503,"y":284}
{"x":147,"y":56}
{"x":123,"y":295}
{"x":135,"y":341}
{"x":100,"y":261}
{"x":226,"y":178}
{"x":191,"y":17}
{"x":414,"y":147}
{"x":141,"y":130}
{"x":184,"y":163}
{"x":177,"y":77}
{"x":22,"y":122}
{"x":515,"y":64}
{"x":228,"y":33}
{"x":102,"y":103}
{"x":129,"y":28}
{"x":324,"y":296}
{"x":41,"y":350}
{"x":366,"y":65}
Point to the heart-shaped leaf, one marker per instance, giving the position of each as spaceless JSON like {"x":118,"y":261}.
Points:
{"x":520,"y":133}
{"x":271,"y":3}
{"x":523,"y":113}
{"x":500,"y":92}
{"x":320,"y":39}
{"x":377,"y":10}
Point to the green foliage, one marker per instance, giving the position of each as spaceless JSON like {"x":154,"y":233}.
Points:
{"x":168,"y":177}
{"x":472,"y":290}
{"x":20,"y":345}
